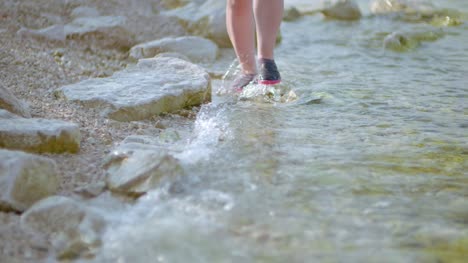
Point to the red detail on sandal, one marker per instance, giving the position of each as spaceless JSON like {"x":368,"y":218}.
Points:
{"x":269,"y":82}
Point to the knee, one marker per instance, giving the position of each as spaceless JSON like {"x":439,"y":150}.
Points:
{"x":238,"y":5}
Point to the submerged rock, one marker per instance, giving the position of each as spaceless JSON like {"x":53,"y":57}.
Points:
{"x":399,"y":42}
{"x":204,"y":18}
{"x":197,"y":49}
{"x":151,"y":87}
{"x":10,"y":103}
{"x":39,"y":135}
{"x":71,"y":228}
{"x":268,"y":93}
{"x":341,"y":9}
{"x":135,"y":168}
{"x":291,"y":14}
{"x":408,"y":40}
{"x":25,"y":179}
{"x":417,"y":11}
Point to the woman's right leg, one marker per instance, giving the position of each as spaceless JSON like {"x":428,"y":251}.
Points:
{"x":241,"y":29}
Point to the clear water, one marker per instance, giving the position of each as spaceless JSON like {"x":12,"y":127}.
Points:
{"x":368,"y":165}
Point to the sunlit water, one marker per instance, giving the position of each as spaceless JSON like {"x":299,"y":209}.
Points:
{"x":369,"y":164}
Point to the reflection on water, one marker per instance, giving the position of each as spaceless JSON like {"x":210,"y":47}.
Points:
{"x":367,"y":165}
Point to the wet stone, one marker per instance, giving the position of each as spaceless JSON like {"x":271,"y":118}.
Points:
{"x":291,"y":14}
{"x":151,"y":87}
{"x":341,"y":9}
{"x":71,"y":228}
{"x":422,"y":7}
{"x":136,"y":168}
{"x":197,"y":49}
{"x":39,"y":135}
{"x":25,"y":179}
{"x":411,"y":39}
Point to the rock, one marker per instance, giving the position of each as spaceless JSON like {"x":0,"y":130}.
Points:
{"x":408,"y":40}
{"x":4,"y":114}
{"x":108,"y":30}
{"x":84,"y":11}
{"x":71,"y":228}
{"x":417,"y":11}
{"x":206,"y":18}
{"x":172,"y":4}
{"x":341,"y":9}
{"x":55,"y":33}
{"x":39,"y":135}
{"x":405,"y":6}
{"x":135,"y":168}
{"x":291,"y":14}
{"x":197,"y":49}
{"x":151,"y":87}
{"x":10,"y":103}
{"x":25,"y":179}
{"x":172,"y":55}
{"x":156,"y":27}
{"x":397,"y":41}
{"x":91,"y":190}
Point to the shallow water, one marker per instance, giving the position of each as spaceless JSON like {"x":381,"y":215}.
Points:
{"x":368,"y":165}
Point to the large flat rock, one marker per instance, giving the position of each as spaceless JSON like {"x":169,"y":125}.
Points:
{"x":25,"y":179}
{"x":197,"y":49}
{"x":10,"y":103}
{"x":38,"y":135}
{"x":153,"y":86}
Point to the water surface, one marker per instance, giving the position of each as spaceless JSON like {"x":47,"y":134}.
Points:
{"x":368,"y":165}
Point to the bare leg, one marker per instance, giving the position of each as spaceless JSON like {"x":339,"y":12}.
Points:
{"x":268,"y":16}
{"x":241,"y":30}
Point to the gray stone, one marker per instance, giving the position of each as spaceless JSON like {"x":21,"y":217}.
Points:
{"x":206,"y":18}
{"x":55,"y":32}
{"x":25,"y":179}
{"x":10,"y":103}
{"x":39,"y":135}
{"x":341,"y":9}
{"x":172,"y":55}
{"x":4,"y":114}
{"x":136,"y":168}
{"x":109,"y":31}
{"x":71,"y":228}
{"x":84,"y":11}
{"x":197,"y":49}
{"x":155,"y":27}
{"x":151,"y":87}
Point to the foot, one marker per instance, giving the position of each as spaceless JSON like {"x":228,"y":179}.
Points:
{"x":269,"y":74}
{"x":242,"y":80}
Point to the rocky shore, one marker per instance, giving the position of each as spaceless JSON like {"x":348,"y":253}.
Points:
{"x":92,"y":94}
